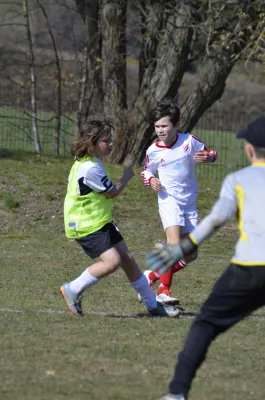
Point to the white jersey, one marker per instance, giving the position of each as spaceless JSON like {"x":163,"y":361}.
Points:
{"x":176,"y":168}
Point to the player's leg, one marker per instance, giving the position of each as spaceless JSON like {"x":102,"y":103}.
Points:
{"x":99,"y":244}
{"x":238,"y":292}
{"x":140,"y":284}
{"x":191,"y":221}
{"x":165,"y":280}
{"x":172,"y":218}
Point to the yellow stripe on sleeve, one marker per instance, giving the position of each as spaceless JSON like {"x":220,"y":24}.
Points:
{"x":192,"y":238}
{"x":240,"y":199}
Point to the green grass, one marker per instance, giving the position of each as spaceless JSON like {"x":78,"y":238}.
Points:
{"x":57,"y":356}
{"x":9,"y":202}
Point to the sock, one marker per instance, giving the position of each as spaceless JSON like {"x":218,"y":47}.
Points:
{"x":180,"y":265}
{"x":83,"y":282}
{"x":155,"y":275}
{"x":142,"y":287}
{"x":165,"y":281}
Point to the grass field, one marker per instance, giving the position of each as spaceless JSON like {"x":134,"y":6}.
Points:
{"x":46,"y":353}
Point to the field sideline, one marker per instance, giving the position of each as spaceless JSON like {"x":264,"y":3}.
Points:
{"x":116,"y":352}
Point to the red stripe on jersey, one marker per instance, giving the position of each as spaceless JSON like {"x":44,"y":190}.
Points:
{"x":196,"y":137}
{"x":146,"y":162}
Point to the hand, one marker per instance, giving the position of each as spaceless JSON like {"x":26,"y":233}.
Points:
{"x":163,"y":257}
{"x":128,"y":173}
{"x":156,"y":184}
{"x":202,"y":157}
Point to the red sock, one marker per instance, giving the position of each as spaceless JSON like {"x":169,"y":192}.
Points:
{"x":180,"y":265}
{"x":155,"y":275}
{"x":165,"y":281}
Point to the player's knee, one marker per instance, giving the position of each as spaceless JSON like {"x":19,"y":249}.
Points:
{"x":112,"y":264}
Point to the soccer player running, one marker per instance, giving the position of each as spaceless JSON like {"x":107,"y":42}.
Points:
{"x":174,"y":156}
{"x":241,"y":288}
{"x":88,"y":219}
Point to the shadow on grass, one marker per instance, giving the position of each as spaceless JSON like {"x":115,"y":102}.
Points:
{"x":16,"y":154}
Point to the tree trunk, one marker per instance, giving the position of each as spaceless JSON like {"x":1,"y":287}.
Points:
{"x":31,"y":61}
{"x":167,"y":76}
{"x":159,"y":81}
{"x":173,"y":30}
{"x":113,"y":28}
{"x":91,"y":88}
{"x":59,"y":82}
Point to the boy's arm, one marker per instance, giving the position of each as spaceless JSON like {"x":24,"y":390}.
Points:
{"x":118,"y":187}
{"x":210,"y":154}
{"x":202,"y":153}
{"x":164,"y":257}
{"x":149,"y":170}
{"x":223,"y":210}
{"x":97,"y":180}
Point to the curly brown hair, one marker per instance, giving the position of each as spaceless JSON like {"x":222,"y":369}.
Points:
{"x":89,"y":132}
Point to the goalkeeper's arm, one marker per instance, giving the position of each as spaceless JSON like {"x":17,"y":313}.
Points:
{"x":223,"y":210}
{"x":163,"y":257}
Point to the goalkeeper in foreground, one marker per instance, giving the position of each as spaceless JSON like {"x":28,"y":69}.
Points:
{"x":241,"y":288}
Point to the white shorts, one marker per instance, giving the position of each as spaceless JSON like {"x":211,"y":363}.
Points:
{"x":172,"y":213}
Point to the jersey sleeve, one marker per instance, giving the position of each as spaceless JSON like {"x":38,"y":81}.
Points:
{"x":199,"y":146}
{"x":223,"y":210}
{"x":97,"y":179}
{"x":150,"y":168}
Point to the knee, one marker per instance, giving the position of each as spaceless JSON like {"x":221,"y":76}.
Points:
{"x":112,"y":265}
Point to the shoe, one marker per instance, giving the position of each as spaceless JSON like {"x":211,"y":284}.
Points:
{"x":164,"y":310}
{"x":151,"y":284}
{"x":166,"y":298}
{"x":170,"y":396}
{"x":73,"y":301}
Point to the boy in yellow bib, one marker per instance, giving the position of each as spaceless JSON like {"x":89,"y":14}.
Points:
{"x":88,"y":219}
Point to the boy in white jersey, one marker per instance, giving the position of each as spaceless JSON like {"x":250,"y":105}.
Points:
{"x":88,"y":220}
{"x":174,"y":156}
{"x":241,"y":288}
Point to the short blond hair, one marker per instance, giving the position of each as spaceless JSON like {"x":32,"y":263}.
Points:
{"x":89,"y":132}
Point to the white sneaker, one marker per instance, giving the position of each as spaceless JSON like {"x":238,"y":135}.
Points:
{"x":166,"y":298}
{"x":151,"y":284}
{"x":164,"y":310}
{"x":170,"y":396}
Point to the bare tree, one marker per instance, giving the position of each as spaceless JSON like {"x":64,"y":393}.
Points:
{"x":58,"y":80}
{"x":174,"y":33}
{"x":31,"y":62}
{"x":90,"y":93}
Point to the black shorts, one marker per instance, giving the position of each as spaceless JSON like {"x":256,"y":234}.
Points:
{"x":100,"y":241}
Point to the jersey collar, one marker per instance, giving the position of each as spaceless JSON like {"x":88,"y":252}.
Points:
{"x":167,"y":147}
